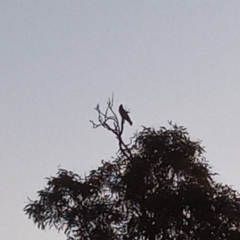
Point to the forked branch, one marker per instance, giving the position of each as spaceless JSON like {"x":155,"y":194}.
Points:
{"x":109,"y":120}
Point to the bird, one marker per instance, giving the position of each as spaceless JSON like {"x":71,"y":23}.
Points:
{"x":124,"y":114}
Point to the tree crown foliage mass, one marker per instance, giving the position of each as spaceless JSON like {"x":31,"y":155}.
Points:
{"x":159,"y":186}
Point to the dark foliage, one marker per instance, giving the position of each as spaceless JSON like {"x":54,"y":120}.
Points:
{"x":158,"y":187}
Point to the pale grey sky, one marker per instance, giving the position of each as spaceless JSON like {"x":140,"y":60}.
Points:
{"x":165,"y":60}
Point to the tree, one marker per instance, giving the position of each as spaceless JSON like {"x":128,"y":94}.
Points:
{"x":160,"y":186}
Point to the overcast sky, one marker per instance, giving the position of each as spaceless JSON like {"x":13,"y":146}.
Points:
{"x":165,"y":60}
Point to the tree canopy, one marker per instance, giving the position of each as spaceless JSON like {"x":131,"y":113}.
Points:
{"x":159,"y":186}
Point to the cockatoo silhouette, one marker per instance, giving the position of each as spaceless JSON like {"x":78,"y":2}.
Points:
{"x":124,"y":114}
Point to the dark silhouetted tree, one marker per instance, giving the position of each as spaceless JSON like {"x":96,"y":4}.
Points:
{"x":158,"y":187}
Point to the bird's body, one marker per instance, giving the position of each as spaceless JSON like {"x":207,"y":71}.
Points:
{"x":124,"y":114}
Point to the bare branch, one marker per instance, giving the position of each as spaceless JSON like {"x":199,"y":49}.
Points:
{"x":109,"y":120}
